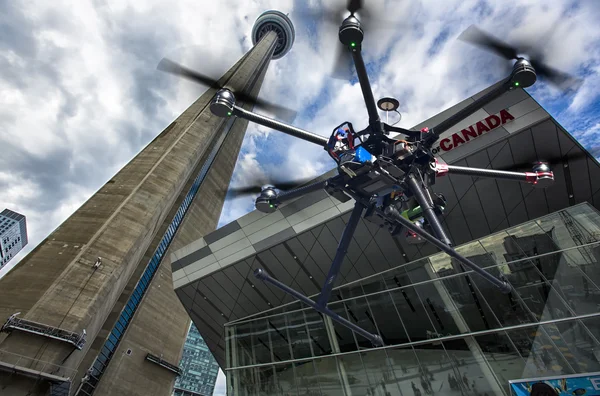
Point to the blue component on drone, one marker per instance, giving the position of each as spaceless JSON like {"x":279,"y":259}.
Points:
{"x":362,"y":155}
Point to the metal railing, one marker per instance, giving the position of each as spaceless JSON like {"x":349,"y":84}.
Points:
{"x":29,"y":326}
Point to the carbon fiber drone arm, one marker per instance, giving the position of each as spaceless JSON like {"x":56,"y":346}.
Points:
{"x":297,"y":192}
{"x":541,"y":176}
{"x":365,"y":85}
{"x":279,"y":126}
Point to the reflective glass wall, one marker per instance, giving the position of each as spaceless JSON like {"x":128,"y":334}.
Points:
{"x":446,"y":330}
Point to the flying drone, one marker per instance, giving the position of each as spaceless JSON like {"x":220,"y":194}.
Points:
{"x":389,"y":178}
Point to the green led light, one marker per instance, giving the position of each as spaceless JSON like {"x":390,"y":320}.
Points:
{"x":229,"y":113}
{"x":516,"y":83}
{"x":270,"y":206}
{"x":352,"y":44}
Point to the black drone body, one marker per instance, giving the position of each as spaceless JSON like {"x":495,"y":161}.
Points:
{"x":389,"y":178}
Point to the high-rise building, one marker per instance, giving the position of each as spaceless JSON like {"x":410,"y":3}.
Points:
{"x":13,"y":235}
{"x":91,"y":310}
{"x":199,"y":368}
{"x":445,"y":330}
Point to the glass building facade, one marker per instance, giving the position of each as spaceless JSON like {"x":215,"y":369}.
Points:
{"x":446,"y":330}
{"x":199,"y":367}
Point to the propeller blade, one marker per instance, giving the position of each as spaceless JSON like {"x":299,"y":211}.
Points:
{"x":552,"y":161}
{"x":556,"y":77}
{"x":343,"y":66}
{"x":168,"y":66}
{"x":281,"y":112}
{"x":478,"y":37}
{"x":257,"y":184}
{"x":354,"y":5}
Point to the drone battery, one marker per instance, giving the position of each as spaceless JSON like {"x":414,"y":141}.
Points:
{"x":362,"y":155}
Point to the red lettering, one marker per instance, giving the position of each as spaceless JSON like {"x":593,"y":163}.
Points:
{"x":456,"y":139}
{"x":469,"y":132}
{"x":505,"y":116}
{"x":493,"y":121}
{"x":444,"y":144}
{"x":481,"y":128}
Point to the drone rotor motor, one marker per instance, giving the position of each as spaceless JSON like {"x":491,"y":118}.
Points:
{"x":544,"y":176}
{"x":351,"y":34}
{"x":222,"y":104}
{"x":523,"y":74}
{"x":267,"y":200}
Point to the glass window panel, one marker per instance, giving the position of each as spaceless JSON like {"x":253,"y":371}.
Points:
{"x":317,"y":332}
{"x":345,"y":338}
{"x":259,"y":341}
{"x":403,"y":366}
{"x":387,"y":319}
{"x":414,"y":317}
{"x":587,"y":219}
{"x":355,"y":373}
{"x":438,"y":310}
{"x":468,"y":367}
{"x":544,"y":302}
{"x":285,"y":380}
{"x":359,"y":313}
{"x":468,"y":304}
{"x":528,"y":240}
{"x":380,"y":375}
{"x":329,"y":377}
{"x":307,"y":379}
{"x":502,"y":356}
{"x":577,"y":342}
{"x":279,"y":337}
{"x":542,"y":358}
{"x":299,"y":336}
{"x":113,"y":338}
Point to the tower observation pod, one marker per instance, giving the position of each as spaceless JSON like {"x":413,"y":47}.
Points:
{"x":279,"y":23}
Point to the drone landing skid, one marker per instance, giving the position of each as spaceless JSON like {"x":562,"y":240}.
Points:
{"x":321,"y":304}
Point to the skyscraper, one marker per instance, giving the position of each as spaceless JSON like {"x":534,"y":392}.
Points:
{"x":92,"y":308}
{"x":198,"y":366}
{"x":13,"y":235}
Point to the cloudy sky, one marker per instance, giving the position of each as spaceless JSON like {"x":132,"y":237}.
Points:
{"x":80,"y":94}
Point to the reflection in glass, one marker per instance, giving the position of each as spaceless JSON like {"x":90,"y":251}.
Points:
{"x":502,"y":356}
{"x":285,"y":380}
{"x":414,"y":317}
{"x":317,"y":332}
{"x":329,"y":377}
{"x":576,"y":345}
{"x":345,"y":338}
{"x":469,"y":367}
{"x":307,"y":379}
{"x":541,"y":356}
{"x":280,"y":338}
{"x":355,"y":373}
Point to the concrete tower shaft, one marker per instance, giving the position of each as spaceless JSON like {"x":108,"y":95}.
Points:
{"x":86,"y":273}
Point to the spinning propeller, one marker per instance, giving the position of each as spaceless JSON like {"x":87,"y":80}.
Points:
{"x":257,"y":184}
{"x":552,"y":162}
{"x":478,"y":37}
{"x":174,"y":68}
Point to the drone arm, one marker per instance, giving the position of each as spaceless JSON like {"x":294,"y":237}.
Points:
{"x":374,"y":338}
{"x":436,"y":131}
{"x":340,"y":254}
{"x":394,"y":214}
{"x":539,"y":178}
{"x":297,"y":192}
{"x":365,"y":85}
{"x":279,"y":126}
